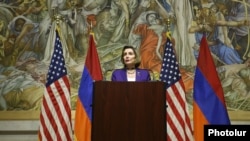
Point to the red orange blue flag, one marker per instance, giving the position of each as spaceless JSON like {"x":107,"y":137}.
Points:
{"x":91,"y":72}
{"x":209,"y":107}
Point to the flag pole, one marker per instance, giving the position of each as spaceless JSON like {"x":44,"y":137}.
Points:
{"x":91,"y":30}
{"x":91,"y":26}
{"x":58,"y":18}
{"x":168,"y":34}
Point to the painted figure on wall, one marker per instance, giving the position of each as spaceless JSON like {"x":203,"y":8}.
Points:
{"x":210,"y":24}
{"x":151,"y":32}
{"x":240,"y":10}
{"x":181,"y":16}
{"x":24,"y":34}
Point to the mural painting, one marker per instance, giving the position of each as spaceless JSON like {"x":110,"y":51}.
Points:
{"x":26,"y":42}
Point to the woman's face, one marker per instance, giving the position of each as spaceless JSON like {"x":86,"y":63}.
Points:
{"x":129,"y":57}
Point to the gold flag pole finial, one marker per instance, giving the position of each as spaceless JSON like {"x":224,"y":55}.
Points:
{"x":168,"y":34}
{"x":56,"y":16}
{"x":91,"y":28}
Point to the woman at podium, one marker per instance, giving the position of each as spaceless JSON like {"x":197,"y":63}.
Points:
{"x":130,"y":71}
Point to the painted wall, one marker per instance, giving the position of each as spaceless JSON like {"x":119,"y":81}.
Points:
{"x":26,"y":43}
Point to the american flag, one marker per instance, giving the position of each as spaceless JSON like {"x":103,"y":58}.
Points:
{"x":177,"y":118}
{"x":55,"y":116}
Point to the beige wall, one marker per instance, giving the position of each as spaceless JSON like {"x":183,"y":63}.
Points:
{"x":23,"y":126}
{"x":26,"y":130}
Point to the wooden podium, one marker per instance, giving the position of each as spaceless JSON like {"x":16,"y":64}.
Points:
{"x":129,"y":111}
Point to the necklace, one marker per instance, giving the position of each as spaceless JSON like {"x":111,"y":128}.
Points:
{"x":130,"y":72}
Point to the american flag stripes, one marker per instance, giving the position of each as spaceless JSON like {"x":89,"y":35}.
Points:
{"x":177,"y":118}
{"x":55,"y":116}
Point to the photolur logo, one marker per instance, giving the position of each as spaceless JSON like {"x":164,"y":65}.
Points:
{"x":227,"y":132}
{"x":235,"y":132}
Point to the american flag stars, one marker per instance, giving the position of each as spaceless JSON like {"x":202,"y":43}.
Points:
{"x":170,"y":70}
{"x":57,"y":66}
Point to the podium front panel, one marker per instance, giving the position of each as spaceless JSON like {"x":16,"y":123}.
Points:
{"x":129,"y":111}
